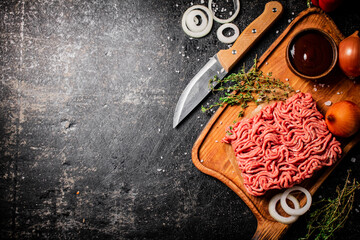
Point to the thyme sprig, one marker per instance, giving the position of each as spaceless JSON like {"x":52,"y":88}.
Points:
{"x":333,"y":213}
{"x":245,"y":87}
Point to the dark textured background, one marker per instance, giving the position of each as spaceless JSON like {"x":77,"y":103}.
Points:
{"x":87,"y":95}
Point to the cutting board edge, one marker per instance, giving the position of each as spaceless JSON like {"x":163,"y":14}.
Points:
{"x":303,"y":14}
{"x":197,"y":145}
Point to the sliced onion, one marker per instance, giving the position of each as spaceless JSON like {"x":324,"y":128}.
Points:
{"x":192,"y":20}
{"x":225,"y":39}
{"x":208,"y":26}
{"x":292,"y":211}
{"x":276,"y":215}
{"x":237,"y":10}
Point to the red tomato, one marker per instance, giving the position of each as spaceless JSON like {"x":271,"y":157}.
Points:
{"x":315,"y":2}
{"x":327,"y":5}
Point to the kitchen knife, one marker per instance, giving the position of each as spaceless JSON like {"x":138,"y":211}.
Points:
{"x":222,"y":62}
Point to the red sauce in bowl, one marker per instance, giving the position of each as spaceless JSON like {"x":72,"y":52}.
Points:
{"x":311,"y":53}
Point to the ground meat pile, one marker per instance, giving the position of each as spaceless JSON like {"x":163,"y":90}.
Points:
{"x":285,"y":143}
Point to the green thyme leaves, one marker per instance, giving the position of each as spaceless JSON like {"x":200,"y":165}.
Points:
{"x":330,"y":215}
{"x":245,"y":87}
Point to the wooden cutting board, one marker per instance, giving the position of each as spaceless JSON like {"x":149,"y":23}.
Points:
{"x":214,"y":158}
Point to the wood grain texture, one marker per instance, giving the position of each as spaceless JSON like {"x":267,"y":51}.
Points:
{"x":217,"y":159}
{"x":248,"y":38}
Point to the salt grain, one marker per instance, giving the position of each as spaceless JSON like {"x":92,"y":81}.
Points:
{"x":353,"y":159}
{"x":201,"y":160}
{"x":315,"y":89}
{"x":328,"y":103}
{"x":286,"y":79}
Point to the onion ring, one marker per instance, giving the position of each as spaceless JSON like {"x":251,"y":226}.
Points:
{"x":296,"y":212}
{"x":208,"y":26}
{"x":276,"y":215}
{"x":225,"y":39}
{"x":191,"y":21}
{"x":237,"y":10}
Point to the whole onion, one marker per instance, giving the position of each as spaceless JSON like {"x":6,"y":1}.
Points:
{"x":343,"y":118}
{"x":349,"y":55}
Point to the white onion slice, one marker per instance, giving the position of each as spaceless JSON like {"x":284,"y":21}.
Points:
{"x":237,"y":10}
{"x":192,"y":21}
{"x":276,"y":215}
{"x":300,"y":211}
{"x":225,"y":39}
{"x":208,"y":26}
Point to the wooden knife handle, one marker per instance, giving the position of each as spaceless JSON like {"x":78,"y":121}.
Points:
{"x":251,"y":34}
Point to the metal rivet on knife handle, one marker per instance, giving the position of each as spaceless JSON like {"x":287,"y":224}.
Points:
{"x":250,"y":35}
{"x":224,"y":60}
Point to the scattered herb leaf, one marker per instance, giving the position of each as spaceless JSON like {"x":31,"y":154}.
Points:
{"x":245,"y":87}
{"x":332,"y":213}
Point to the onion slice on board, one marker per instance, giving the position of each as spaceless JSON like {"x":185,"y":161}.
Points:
{"x":219,"y":20}
{"x":208,"y":26}
{"x":292,"y":211}
{"x":192,"y":20}
{"x":225,"y":39}
{"x":276,"y":215}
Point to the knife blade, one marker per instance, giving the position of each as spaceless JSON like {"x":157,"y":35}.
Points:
{"x":223,"y":61}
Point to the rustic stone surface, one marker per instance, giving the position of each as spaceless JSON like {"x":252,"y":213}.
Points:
{"x":87,"y":95}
